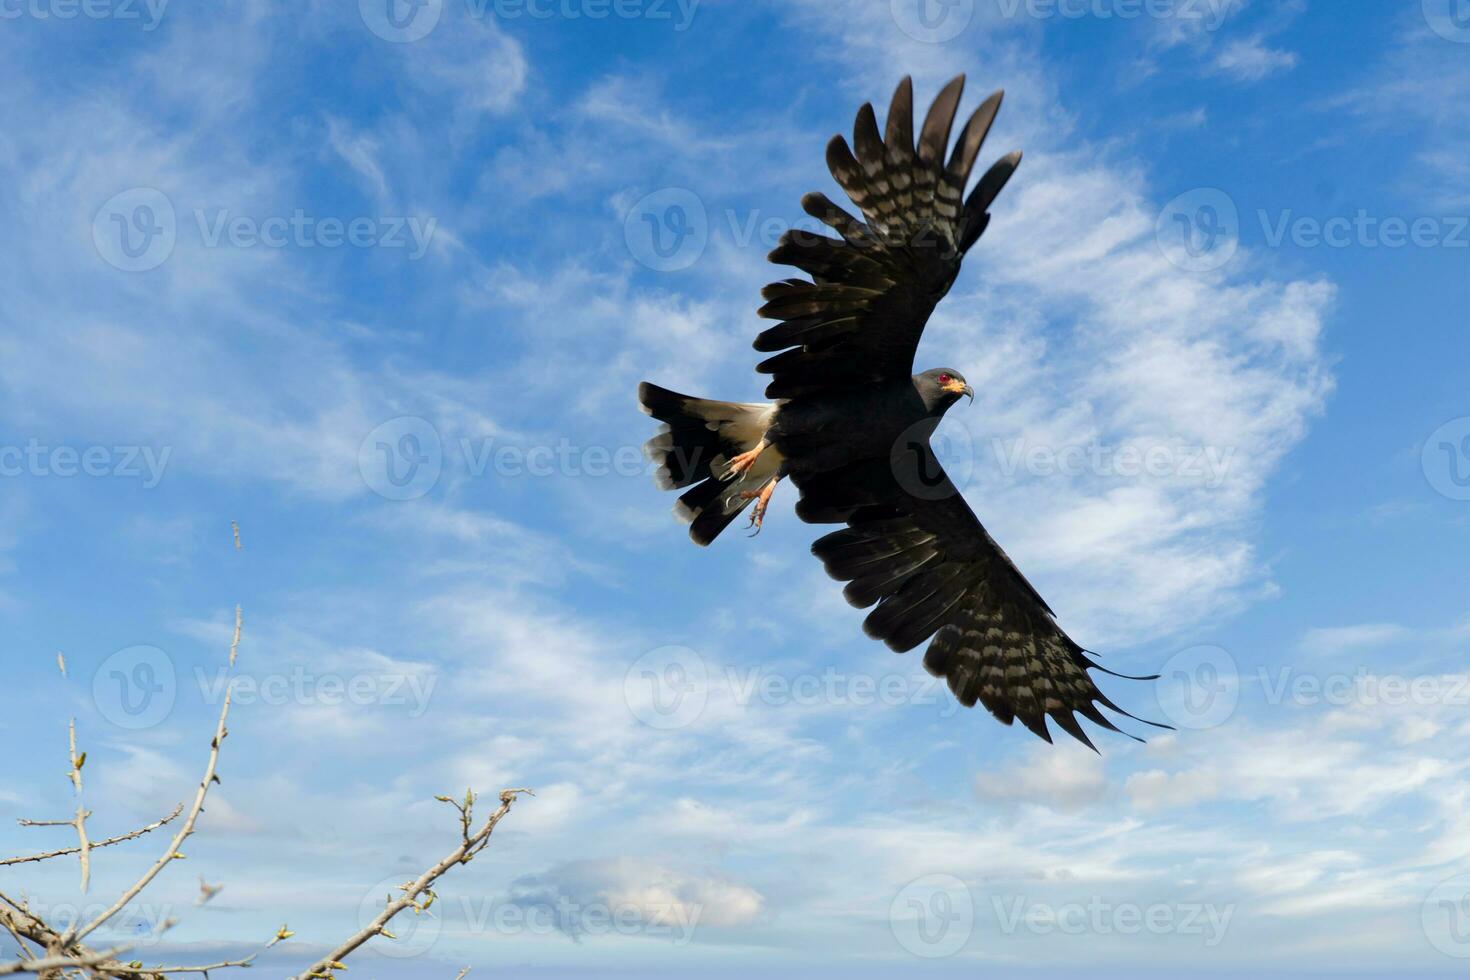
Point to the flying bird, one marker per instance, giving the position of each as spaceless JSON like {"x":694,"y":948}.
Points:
{"x":850,"y":422}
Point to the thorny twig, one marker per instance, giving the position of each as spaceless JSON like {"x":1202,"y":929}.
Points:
{"x":471,"y":845}
{"x":120,"y":838}
{"x":172,"y":853}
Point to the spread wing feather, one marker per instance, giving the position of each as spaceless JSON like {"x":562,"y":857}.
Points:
{"x":860,"y":317}
{"x":923,"y":562}
{"x":929,"y":568}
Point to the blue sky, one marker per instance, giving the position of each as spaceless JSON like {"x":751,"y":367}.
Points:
{"x":384,"y":300}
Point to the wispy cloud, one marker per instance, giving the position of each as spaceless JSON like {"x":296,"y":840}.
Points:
{"x":1411,"y":89}
{"x":1252,"y":59}
{"x":1343,"y":639}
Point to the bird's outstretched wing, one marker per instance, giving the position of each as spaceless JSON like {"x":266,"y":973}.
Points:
{"x":860,"y":318}
{"x":913,"y":547}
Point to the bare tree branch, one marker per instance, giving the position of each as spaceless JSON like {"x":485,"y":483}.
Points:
{"x":235,"y":641}
{"x":62,"y":952}
{"x":471,"y":845}
{"x":79,"y":821}
{"x":120,"y":838}
{"x":20,"y":941}
{"x":172,"y":853}
{"x":23,"y":924}
{"x":46,"y":964}
{"x":139,"y":970}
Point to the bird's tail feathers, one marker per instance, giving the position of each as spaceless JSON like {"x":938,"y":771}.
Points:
{"x":693,"y":449}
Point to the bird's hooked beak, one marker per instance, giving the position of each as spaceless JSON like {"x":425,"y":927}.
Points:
{"x":960,"y":388}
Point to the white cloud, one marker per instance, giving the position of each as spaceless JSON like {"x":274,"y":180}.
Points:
{"x":1156,"y":789}
{"x":1062,"y":776}
{"x":360,"y":152}
{"x":1414,"y":89}
{"x":1343,"y":639}
{"x":1251,"y":59}
{"x":662,"y":899}
{"x":1194,"y":23}
{"x":470,"y":63}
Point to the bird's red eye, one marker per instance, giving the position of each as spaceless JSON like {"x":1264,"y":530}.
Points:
{"x":944,"y":379}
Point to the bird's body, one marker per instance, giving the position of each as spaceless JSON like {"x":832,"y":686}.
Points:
{"x":859,"y":424}
{"x":850,"y":423}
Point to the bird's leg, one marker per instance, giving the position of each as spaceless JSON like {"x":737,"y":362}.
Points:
{"x":742,"y":462}
{"x":762,"y":498}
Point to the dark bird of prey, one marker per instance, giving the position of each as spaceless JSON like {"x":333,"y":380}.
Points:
{"x":850,"y":423}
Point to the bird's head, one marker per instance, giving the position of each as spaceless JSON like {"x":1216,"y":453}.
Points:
{"x":941,"y":388}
